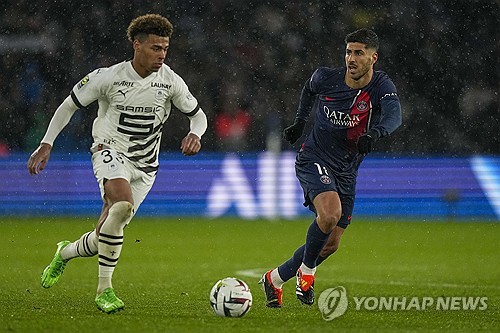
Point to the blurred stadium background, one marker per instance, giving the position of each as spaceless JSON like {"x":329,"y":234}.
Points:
{"x":246,"y":62}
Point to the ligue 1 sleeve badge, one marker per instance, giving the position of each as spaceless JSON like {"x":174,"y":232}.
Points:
{"x":325,"y":179}
{"x":83,"y":82}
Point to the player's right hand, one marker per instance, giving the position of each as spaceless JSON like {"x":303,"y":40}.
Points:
{"x":191,"y":144}
{"x":294,"y":132}
{"x":39,"y":159}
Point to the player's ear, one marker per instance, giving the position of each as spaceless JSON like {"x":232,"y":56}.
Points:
{"x":374,"y":57}
{"x":136,"y":44}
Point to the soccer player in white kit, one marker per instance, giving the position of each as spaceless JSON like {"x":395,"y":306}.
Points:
{"x":134,"y":103}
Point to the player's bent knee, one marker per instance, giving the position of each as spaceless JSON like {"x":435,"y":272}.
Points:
{"x":328,"y":221}
{"x":336,"y":215}
{"x":121,"y":212}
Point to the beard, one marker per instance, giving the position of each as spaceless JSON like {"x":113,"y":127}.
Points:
{"x":359,"y":72}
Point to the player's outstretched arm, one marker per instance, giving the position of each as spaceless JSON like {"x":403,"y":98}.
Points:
{"x":60,"y":119}
{"x":39,"y":159}
{"x":307,"y":98}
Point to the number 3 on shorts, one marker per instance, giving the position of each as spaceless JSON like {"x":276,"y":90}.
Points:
{"x":108,"y":156}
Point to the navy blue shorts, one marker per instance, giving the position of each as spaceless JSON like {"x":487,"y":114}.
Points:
{"x":316,"y":177}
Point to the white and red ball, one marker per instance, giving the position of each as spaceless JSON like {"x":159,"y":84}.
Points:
{"x":230,"y":297}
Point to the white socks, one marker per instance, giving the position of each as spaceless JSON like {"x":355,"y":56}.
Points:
{"x":306,"y":270}
{"x":111,"y":241}
{"x":86,"y":246}
{"x":276,"y":279}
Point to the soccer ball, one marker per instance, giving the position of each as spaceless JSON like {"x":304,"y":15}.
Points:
{"x":230,"y":297}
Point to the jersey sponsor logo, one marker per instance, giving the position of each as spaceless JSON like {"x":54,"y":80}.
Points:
{"x":127,"y":84}
{"x":136,"y":124}
{"x":339,"y":118}
{"x":83,"y":82}
{"x":138,"y":109}
{"x":160,"y":85}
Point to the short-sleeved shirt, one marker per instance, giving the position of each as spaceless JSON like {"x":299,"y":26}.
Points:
{"x":132,"y":109}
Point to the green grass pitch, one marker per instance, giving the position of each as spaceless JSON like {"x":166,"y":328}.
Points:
{"x":168,"y":266}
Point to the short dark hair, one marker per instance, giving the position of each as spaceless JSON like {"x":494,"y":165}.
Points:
{"x":153,"y":24}
{"x":364,"y":36}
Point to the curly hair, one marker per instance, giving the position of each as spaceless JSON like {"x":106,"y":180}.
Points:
{"x":147,"y":24}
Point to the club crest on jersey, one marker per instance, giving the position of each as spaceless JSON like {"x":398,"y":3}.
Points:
{"x":325,"y":179}
{"x":361,"y":106}
{"x":160,"y":95}
{"x":83,"y":82}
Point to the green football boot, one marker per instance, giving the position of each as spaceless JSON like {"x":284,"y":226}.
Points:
{"x":107,"y":302}
{"x":54,"y":270}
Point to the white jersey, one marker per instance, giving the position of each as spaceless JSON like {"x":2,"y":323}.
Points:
{"x":132,"y":109}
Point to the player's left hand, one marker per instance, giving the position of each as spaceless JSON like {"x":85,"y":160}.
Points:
{"x":365,"y":142}
{"x":191,"y":144}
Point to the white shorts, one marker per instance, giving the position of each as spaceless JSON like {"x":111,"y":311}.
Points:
{"x":109,"y":164}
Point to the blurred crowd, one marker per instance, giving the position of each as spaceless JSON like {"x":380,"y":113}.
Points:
{"x":246,"y":62}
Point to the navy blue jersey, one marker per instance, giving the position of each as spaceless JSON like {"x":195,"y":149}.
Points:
{"x":344,"y":114}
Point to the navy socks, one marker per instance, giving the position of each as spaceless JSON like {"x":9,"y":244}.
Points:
{"x":315,"y":240}
{"x":289,"y":268}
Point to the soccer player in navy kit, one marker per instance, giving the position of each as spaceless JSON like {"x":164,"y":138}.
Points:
{"x":354,"y":107}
